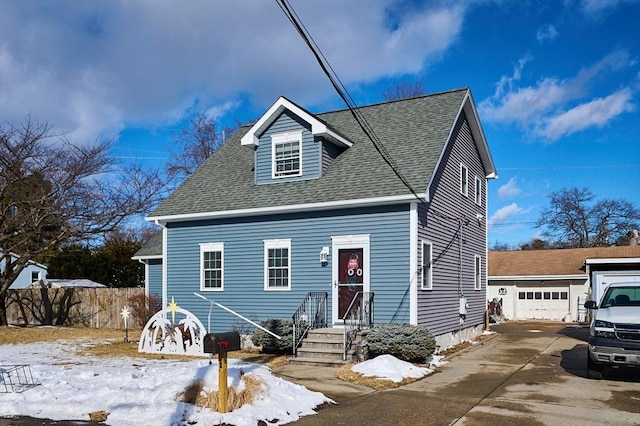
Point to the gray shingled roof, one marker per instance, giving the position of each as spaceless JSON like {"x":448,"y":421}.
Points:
{"x":152,"y":248}
{"x":414,"y":131}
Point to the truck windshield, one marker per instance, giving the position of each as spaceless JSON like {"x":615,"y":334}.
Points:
{"x":621,"y":296}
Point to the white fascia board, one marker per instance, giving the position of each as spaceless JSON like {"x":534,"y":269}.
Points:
{"x":148,"y":257}
{"x":336,"y":138}
{"x":601,"y":261}
{"x":295,"y":208}
{"x":478,"y":135}
{"x":537,"y":277}
{"x":317,"y":126}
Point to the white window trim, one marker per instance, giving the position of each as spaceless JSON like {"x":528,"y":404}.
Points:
{"x":280,"y":138}
{"x":464,"y":183}
{"x":429,"y":284}
{"x":275,"y":244}
{"x":477,"y":276}
{"x":478,"y":191}
{"x":208,"y":247}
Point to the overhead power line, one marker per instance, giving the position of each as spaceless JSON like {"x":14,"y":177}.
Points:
{"x":343,"y":92}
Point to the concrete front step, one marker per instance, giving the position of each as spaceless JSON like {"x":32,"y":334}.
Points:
{"x":320,"y":362}
{"x":323,"y":347}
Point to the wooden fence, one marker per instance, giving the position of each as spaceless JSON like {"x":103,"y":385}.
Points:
{"x":89,"y":307}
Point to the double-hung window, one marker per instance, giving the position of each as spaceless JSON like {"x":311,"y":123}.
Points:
{"x":427,"y":265}
{"x":277,"y":264}
{"x":286,"y":154}
{"x":478,"y":191}
{"x":478,"y":272}
{"x":212,"y":266}
{"x":464,"y":180}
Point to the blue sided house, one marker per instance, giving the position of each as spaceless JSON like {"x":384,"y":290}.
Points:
{"x":303,"y":216}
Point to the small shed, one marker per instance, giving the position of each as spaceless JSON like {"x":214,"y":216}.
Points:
{"x":66,"y":283}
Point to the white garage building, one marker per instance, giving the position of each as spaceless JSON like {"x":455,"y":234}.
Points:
{"x":554,"y":284}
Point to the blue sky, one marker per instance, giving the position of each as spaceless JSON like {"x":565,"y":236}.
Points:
{"x":557,"y":84}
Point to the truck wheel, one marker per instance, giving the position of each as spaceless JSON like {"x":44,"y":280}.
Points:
{"x":594,"y":371}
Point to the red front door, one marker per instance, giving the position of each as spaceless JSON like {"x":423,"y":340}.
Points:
{"x":350,"y":277}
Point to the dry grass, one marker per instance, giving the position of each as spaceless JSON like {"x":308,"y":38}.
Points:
{"x":98,"y":416}
{"x":345,"y":373}
{"x":21,"y":335}
{"x":108,"y":342}
{"x":195,"y":394}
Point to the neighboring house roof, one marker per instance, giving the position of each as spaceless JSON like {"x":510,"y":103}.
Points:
{"x":557,"y":262}
{"x":152,"y":249}
{"x":414,"y":132}
{"x":66,"y":283}
{"x":31,"y":262}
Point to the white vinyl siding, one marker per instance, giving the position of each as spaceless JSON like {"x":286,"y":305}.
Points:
{"x":277,"y":264}
{"x":286,"y":154}
{"x":212,"y":267}
{"x":427,"y":266}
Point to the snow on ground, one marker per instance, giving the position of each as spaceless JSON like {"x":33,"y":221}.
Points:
{"x":391,"y":368}
{"x":139,"y":391}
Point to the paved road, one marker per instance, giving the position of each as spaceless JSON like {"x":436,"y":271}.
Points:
{"x":531,"y":373}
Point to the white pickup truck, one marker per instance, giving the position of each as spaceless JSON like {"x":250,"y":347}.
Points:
{"x":614,"y":337}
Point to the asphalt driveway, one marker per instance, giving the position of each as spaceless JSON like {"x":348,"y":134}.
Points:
{"x":530,"y":373}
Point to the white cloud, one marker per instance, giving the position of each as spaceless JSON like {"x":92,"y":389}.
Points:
{"x":547,"y":32}
{"x":542,"y":108}
{"x":509,"y":189}
{"x":95,"y":67}
{"x":596,"y":113}
{"x":505,"y":213}
{"x":594,"y":8}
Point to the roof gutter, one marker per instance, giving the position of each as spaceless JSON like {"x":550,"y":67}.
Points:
{"x":296,"y":208}
{"x":537,"y":277}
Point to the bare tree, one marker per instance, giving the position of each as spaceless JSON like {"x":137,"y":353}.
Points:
{"x":573,"y":219}
{"x":195,"y":144}
{"x":404,"y":90}
{"x":53,"y":191}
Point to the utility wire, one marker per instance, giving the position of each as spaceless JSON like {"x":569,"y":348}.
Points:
{"x":344,"y":93}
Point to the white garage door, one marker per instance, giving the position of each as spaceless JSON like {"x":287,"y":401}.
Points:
{"x":542,"y":302}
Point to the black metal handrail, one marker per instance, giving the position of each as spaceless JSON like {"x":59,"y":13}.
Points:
{"x":311,"y":314}
{"x":359,"y":315}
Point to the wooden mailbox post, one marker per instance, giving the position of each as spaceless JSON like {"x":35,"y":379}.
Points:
{"x":221,"y":343}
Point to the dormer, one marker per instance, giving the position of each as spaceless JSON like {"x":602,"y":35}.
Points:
{"x":292,"y":144}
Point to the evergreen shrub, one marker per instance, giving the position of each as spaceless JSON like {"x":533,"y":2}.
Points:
{"x":269,"y":344}
{"x":407,"y":342}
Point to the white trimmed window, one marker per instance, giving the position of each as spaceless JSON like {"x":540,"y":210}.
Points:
{"x":286,"y":154}
{"x":427,"y":266}
{"x":478,"y":191}
{"x":464,"y":180}
{"x":212,"y":267}
{"x":277,"y":264}
{"x":478,"y":274}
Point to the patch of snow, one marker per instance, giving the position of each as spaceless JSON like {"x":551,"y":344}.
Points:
{"x":436,"y":361}
{"x":390,"y":368}
{"x":72,"y":386}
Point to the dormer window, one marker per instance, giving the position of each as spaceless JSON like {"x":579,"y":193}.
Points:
{"x":286,"y":154}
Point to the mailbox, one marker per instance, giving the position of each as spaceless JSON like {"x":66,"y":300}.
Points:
{"x":215,"y":343}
